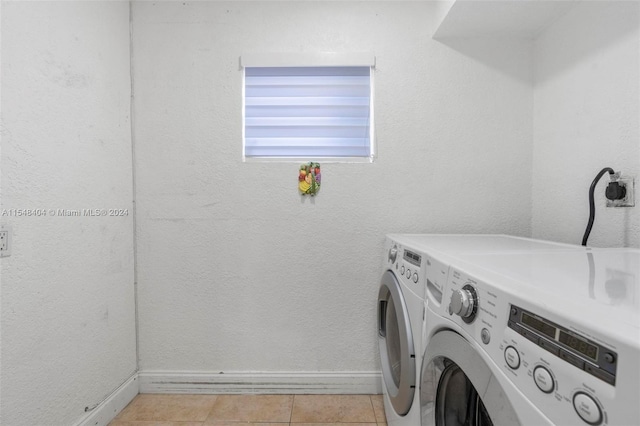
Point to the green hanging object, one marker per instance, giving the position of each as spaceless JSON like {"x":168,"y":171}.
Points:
{"x":309,"y":178}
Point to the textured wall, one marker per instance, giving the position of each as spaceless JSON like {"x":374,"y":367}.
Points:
{"x":68,"y":323}
{"x":586,"y":117}
{"x":236,"y":271}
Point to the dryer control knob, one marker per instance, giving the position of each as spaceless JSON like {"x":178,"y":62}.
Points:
{"x":464,"y":303}
{"x":393,"y":253}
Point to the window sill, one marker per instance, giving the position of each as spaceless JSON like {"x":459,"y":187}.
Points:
{"x":323,"y":160}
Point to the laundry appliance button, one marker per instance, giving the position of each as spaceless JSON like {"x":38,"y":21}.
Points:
{"x":599,"y":373}
{"x":415,"y":277}
{"x":543,"y":379}
{"x":485,"y":336}
{"x":408,"y":273}
{"x":572,"y":359}
{"x":554,"y":349}
{"x":512,"y":357}
{"x":529,"y":335}
{"x":609,"y":357}
{"x":587,"y":408}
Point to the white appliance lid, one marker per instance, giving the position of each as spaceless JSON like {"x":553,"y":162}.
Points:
{"x":602,"y":282}
{"x":453,"y":244}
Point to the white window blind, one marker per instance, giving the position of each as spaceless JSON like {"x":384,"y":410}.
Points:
{"x":308,"y":112}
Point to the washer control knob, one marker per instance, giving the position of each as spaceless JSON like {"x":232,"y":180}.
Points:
{"x":408,"y":273}
{"x":543,"y":379}
{"x":415,"y":277}
{"x":464,"y":303}
{"x":393,"y":254}
{"x":587,"y":408}
{"x":512,"y":357}
{"x":402,"y":270}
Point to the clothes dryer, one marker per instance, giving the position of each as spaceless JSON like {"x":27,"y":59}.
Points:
{"x":540,"y":338}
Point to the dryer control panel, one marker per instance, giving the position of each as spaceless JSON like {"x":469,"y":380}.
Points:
{"x":573,"y":374}
{"x":592,"y":357}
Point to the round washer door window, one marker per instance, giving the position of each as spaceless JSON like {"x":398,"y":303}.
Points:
{"x":395,"y":340}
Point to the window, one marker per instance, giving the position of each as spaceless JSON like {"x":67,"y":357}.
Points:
{"x":313,"y":109}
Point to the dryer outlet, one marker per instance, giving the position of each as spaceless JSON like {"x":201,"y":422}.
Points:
{"x":628,"y":183}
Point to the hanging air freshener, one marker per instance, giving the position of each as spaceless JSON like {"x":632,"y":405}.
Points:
{"x":309,"y":178}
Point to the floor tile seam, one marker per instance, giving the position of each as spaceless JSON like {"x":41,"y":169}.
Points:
{"x":373,"y":409}
{"x":213,"y":404}
{"x":293,"y":404}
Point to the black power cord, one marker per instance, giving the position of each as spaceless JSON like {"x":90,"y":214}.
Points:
{"x":613,"y":192}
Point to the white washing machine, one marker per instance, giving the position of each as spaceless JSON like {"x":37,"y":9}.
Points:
{"x":413,"y":262}
{"x":400,"y":318}
{"x":539,"y":338}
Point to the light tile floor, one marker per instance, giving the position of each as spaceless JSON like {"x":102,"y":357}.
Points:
{"x":260,"y":410}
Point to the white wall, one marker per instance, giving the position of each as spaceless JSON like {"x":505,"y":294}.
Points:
{"x":68,"y":315}
{"x":586,"y":117}
{"x":236,"y":271}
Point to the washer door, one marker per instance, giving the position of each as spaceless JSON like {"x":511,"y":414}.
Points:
{"x":458,"y":388}
{"x":397,"y":354}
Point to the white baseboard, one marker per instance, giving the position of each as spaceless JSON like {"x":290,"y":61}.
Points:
{"x":321,"y":382}
{"x":110,"y":407}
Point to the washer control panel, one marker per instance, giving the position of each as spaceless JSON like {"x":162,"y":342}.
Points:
{"x":407,"y":264}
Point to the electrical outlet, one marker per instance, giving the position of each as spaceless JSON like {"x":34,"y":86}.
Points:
{"x":628,"y":183}
{"x":5,"y":240}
